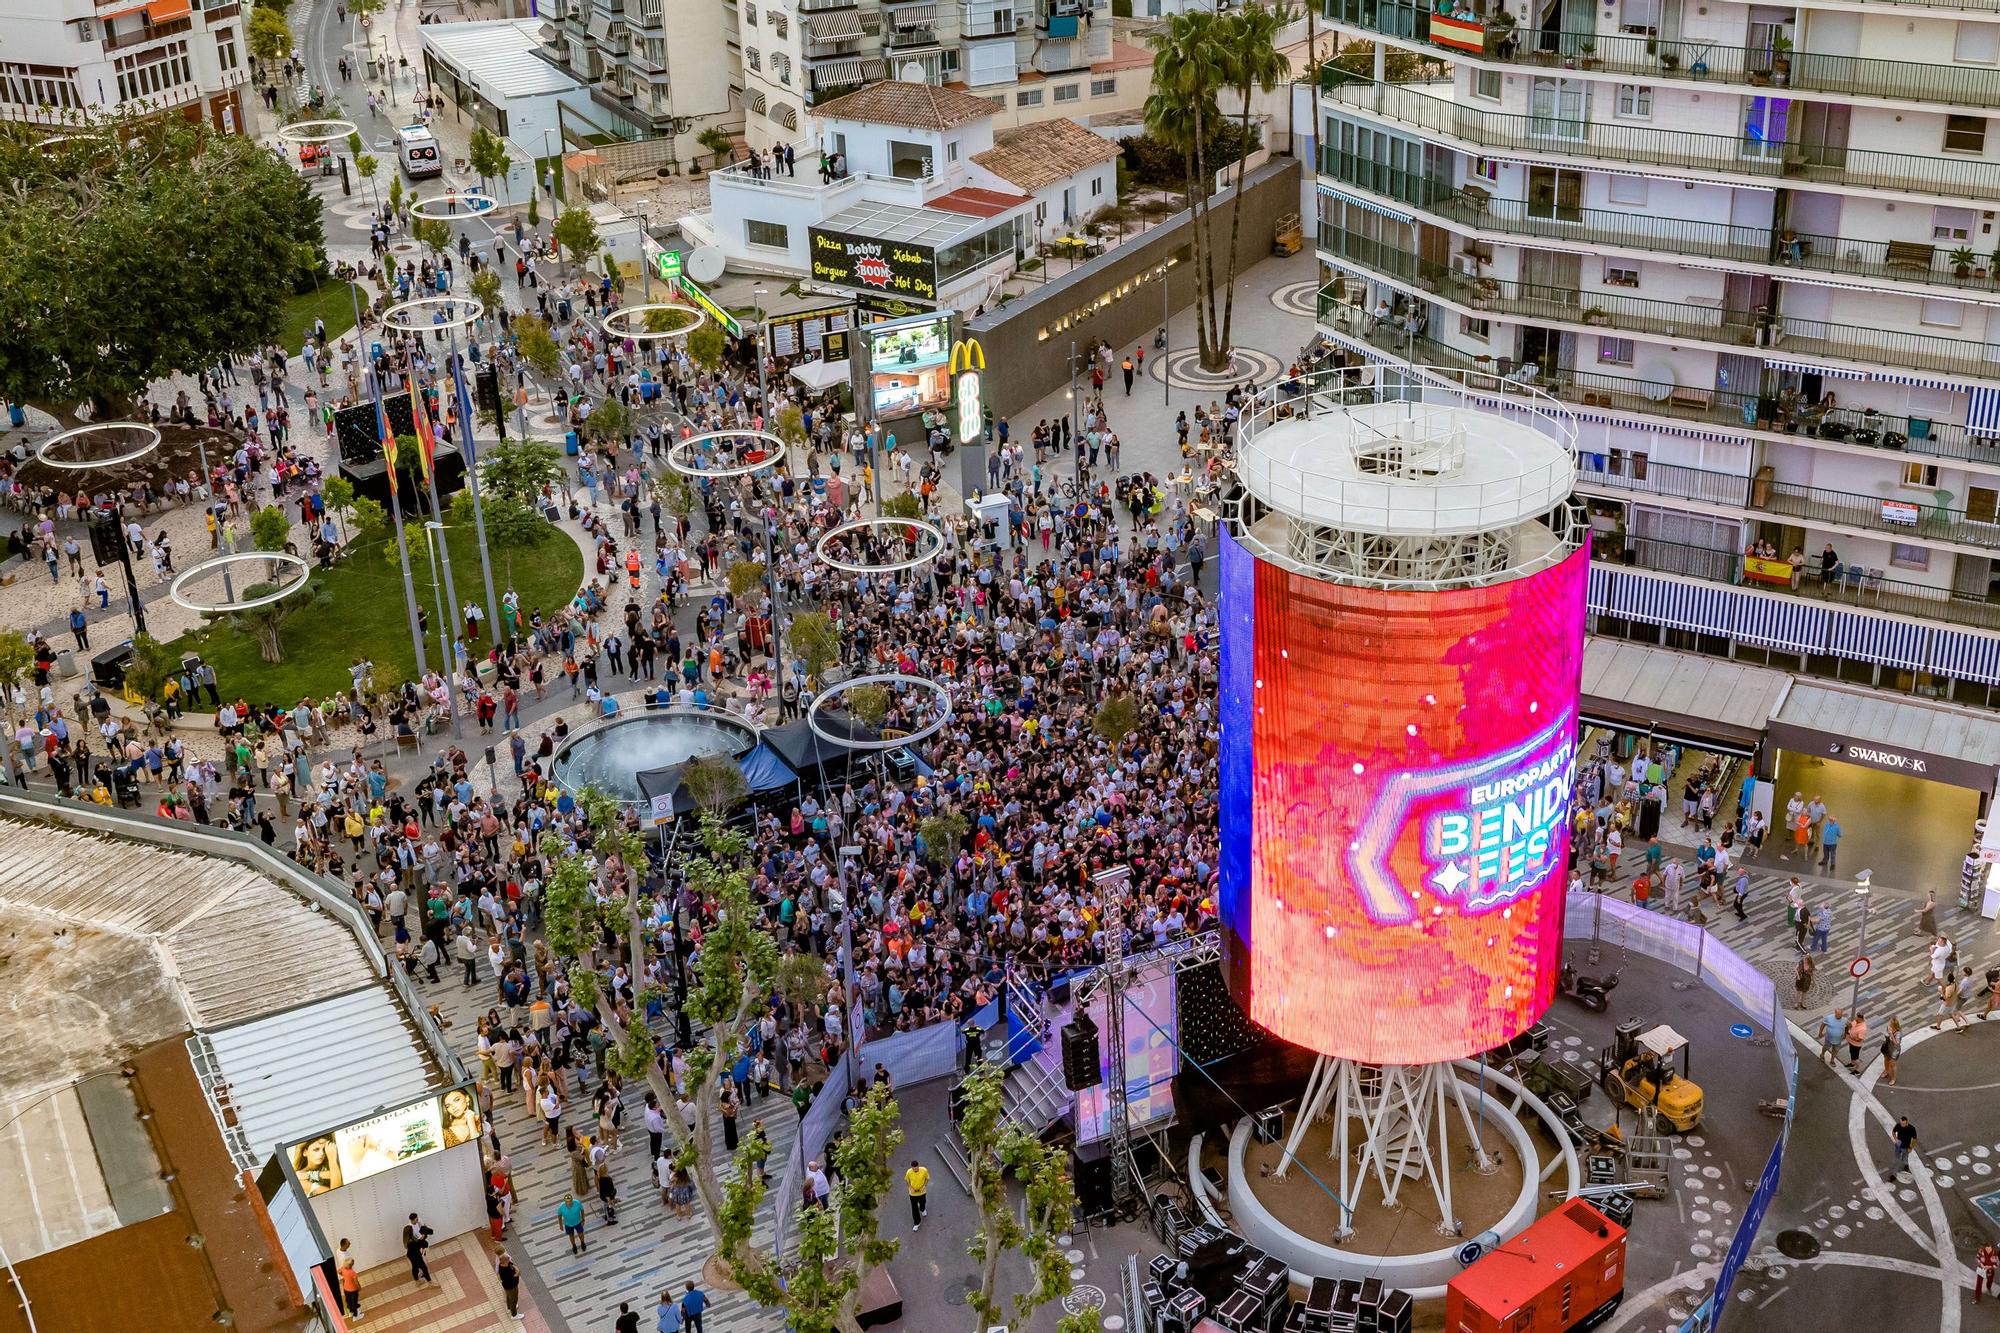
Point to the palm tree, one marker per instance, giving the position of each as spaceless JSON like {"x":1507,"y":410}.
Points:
{"x":1251,"y":49}
{"x":1189,"y":69}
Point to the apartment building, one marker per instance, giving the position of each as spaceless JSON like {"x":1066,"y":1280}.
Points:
{"x":653,"y":74}
{"x":1753,"y":247}
{"x":65,"y":58}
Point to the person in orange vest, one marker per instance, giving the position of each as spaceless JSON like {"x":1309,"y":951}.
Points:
{"x":632,"y":566}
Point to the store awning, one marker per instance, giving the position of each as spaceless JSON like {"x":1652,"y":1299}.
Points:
{"x":1957,"y":746}
{"x":1705,"y":702}
{"x":838,"y":72}
{"x":836,"y":26}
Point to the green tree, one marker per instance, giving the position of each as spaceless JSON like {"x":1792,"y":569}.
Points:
{"x":151,"y":663}
{"x":997,"y":1147}
{"x":270,"y":34}
{"x":267,"y":622}
{"x":1117,"y":717}
{"x":609,"y":422}
{"x":745,"y":577}
{"x":790,"y":424}
{"x":613,"y":270}
{"x":17,"y":663}
{"x":1190,"y":67}
{"x":906,"y":504}
{"x":576,"y":232}
{"x":227,"y":232}
{"x":815,"y":642}
{"x":434,"y":234}
{"x":942,"y":833}
{"x":366,"y":165}
{"x":705,"y":347}
{"x":538,"y":346}
{"x":715,"y":784}
{"x":488,"y":155}
{"x":668,"y":321}
{"x":869,"y":703}
{"x":510,"y":523}
{"x":519,"y":469}
{"x":1254,"y":64}
{"x":534,"y":210}
{"x":485,"y":289}
{"x":362,"y":9}
{"x":395,"y":193}
{"x":270,"y":528}
{"x":716,"y":141}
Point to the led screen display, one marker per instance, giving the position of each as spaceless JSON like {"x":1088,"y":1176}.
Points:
{"x":908,"y":364}
{"x":1396,"y":776}
{"x":372,"y":1146}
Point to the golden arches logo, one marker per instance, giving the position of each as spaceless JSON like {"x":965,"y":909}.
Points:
{"x":967,"y":354}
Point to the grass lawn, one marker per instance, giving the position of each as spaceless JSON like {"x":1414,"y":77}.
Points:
{"x":330,"y":301}
{"x":367,"y":618}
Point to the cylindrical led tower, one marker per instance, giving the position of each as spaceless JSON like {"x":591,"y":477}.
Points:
{"x":1403,"y":580}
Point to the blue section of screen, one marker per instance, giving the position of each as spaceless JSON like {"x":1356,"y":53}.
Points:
{"x":1238,"y":594}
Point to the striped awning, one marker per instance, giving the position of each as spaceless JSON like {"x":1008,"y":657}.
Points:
{"x":1891,"y":643}
{"x":837,"y":72}
{"x":1598,"y":598}
{"x":836,"y":26}
{"x":1658,"y":601}
{"x":916,"y":16}
{"x":1827,"y":371}
{"x":1873,"y":377}
{"x":1965,"y":656}
{"x":1680,"y":432}
{"x":1366,"y":206}
{"x":873,"y":69}
{"x":755,"y":97}
{"x":788,"y":115}
{"x":1773,"y":622}
{"x":1982,"y":413}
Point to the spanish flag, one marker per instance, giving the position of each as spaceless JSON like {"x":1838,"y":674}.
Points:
{"x":388,"y":440}
{"x":420,"y":412}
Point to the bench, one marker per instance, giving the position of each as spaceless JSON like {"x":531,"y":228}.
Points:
{"x":1909,"y":254}
{"x":1687,"y":395}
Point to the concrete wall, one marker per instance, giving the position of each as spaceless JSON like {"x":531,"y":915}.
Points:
{"x":1117,"y":298}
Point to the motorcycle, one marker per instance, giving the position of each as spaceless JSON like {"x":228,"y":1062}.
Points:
{"x":1593,"y":993}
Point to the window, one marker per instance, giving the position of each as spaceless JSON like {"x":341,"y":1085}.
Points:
{"x":1559,"y":108}
{"x":1909,"y":557}
{"x":1764,"y":126}
{"x":1096,"y":187}
{"x":1951,"y":224}
{"x":1104,"y":87}
{"x":1614,"y":351}
{"x":749,"y":16}
{"x":225,"y":48}
{"x":1944,"y":314}
{"x":776,"y":235}
{"x":783,"y":65}
{"x":1553,"y":193}
{"x":778,"y":24}
{"x":1033,"y":97}
{"x":753,"y":58}
{"x":1920,"y":474}
{"x":1635,"y":101}
{"x":1620,"y":275}
{"x":1475,"y":328}
{"x":1066,"y":92}
{"x":1486,"y":83}
{"x":1003,"y":22}
{"x":1629,"y":190}
{"x":1978,"y":43}
{"x":1965,"y":134}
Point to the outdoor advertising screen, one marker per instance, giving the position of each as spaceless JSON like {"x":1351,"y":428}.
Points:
{"x":369,"y":1147}
{"x":908,"y":365}
{"x":1396,"y":776}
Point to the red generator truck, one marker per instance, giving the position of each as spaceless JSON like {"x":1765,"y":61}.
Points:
{"x":1566,"y":1272}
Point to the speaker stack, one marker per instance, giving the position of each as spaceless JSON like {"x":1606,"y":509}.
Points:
{"x":1082,"y":1057}
{"x":1350,"y":1306}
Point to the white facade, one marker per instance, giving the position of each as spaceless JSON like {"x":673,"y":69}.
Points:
{"x":1754,"y":247}
{"x":491,"y":75}
{"x":65,"y":57}
{"x":652,"y":73}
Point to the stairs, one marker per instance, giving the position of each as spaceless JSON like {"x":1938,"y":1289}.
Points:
{"x":1034,"y":1091}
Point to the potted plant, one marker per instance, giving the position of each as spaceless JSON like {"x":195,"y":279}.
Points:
{"x":1961,"y":262}
{"x":1596,"y":315}
{"x":1669,"y":61}
{"x":1781,"y":61}
{"x":1586,"y":51}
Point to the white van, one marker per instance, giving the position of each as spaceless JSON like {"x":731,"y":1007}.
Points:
{"x":419,"y":151}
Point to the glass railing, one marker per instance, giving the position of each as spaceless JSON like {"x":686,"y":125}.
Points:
{"x":1657,"y":57}
{"x":1665,"y":319}
{"x":1774,"y":413}
{"x":1633,"y":145}
{"x":1850,"y":586}
{"x":1544,"y":219}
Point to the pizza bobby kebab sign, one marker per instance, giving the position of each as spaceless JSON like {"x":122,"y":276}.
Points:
{"x":899,"y":268}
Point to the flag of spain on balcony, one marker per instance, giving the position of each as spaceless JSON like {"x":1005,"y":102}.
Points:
{"x":420,"y":411}
{"x":388,"y":441}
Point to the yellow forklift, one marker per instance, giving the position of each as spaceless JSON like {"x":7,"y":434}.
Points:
{"x":1637,"y":1070}
{"x":1287,"y":236}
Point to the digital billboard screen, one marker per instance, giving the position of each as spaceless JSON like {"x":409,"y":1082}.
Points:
{"x":1396,"y":777}
{"x":908,"y":365}
{"x":369,"y":1147}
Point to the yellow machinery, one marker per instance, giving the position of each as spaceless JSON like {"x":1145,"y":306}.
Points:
{"x":1637,"y":1070}
{"x":1287,"y":238}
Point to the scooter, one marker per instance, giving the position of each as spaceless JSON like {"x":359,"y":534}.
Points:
{"x":1593,"y":993}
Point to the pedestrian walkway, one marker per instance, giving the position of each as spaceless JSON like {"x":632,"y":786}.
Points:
{"x":465,"y":1296}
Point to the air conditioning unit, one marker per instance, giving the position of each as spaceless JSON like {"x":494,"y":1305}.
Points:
{"x":1465,"y":265}
{"x":86,"y":30}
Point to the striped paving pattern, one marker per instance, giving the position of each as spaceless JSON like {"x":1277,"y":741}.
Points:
{"x":647,"y":1250}
{"x":465,"y":1298}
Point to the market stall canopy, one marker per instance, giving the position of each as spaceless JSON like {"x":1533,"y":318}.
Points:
{"x":819,"y":375}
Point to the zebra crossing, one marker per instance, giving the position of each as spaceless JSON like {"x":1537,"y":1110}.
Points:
{"x":647,"y":1250}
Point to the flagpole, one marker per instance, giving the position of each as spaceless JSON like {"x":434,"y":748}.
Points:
{"x":466,"y":420}
{"x":395,"y":505}
{"x":418,"y":407}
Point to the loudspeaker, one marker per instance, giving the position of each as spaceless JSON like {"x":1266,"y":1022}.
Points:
{"x":1082,"y":1058}
{"x":486,"y":388}
{"x":1093,"y":1185}
{"x":107,"y":543}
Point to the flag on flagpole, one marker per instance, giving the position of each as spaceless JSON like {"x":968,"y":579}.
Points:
{"x":426,"y":440}
{"x":388,"y":440}
{"x":465,"y":417}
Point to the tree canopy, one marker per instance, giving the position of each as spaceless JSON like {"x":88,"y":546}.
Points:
{"x":138,"y":249}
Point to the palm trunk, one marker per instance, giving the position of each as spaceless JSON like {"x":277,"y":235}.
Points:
{"x":1194,"y":226}
{"x":1211,"y":348}
{"x":1235,"y":226}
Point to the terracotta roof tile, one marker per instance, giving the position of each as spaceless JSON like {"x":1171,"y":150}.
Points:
{"x":917,"y":106}
{"x":1031,"y":156}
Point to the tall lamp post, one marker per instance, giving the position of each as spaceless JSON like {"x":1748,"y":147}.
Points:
{"x":1861,"y":896}
{"x":763,"y":346}
{"x":848,"y":855}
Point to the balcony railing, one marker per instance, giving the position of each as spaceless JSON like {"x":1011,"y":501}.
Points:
{"x":1774,"y":413}
{"x":1679,"y":238}
{"x":1850,"y":587}
{"x":1656,"y":57}
{"x":148,"y":33}
{"x":1635,"y":145}
{"x":1665,"y":319}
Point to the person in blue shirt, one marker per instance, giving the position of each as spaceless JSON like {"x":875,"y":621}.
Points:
{"x":692,"y":1305}
{"x":668,"y":1314}
{"x":570,"y":1213}
{"x":1829,"y":841}
{"x":1832,"y":1029}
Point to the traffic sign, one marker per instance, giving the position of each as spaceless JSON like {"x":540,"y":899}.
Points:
{"x":670,"y":265}
{"x":1859,"y":967}
{"x":1741,"y":1030}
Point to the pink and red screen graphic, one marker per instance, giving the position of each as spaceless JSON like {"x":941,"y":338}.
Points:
{"x":1396,"y":778}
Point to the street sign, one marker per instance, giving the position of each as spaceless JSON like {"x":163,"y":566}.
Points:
{"x":663,"y":809}
{"x":670,"y":265}
{"x":1859,"y":967}
{"x":1741,"y":1030}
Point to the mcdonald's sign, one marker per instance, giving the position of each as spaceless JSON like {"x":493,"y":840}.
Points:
{"x":968,"y":359}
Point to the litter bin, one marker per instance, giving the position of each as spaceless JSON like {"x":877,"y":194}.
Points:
{"x":570,"y":444}
{"x":15,"y":416}
{"x":66,"y":663}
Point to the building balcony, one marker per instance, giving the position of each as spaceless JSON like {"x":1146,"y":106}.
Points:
{"x":1681,"y":322}
{"x":1618,"y":146}
{"x":1893,"y":265}
{"x":823,"y":6}
{"x":1851,"y":588}
{"x":152,"y":32}
{"x":900,"y":39}
{"x":215,"y":14}
{"x":1654,"y":58}
{"x":1773,"y":416}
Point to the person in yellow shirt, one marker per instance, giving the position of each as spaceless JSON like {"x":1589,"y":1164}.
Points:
{"x":918,"y":1180}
